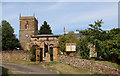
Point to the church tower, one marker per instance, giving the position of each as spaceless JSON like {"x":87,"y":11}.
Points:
{"x":28,"y":27}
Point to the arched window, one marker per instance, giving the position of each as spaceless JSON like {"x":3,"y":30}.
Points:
{"x":26,"y":26}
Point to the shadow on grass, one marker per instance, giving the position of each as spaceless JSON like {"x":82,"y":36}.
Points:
{"x":86,"y":75}
{"x":96,"y":59}
{"x":5,"y":72}
{"x":105,"y":62}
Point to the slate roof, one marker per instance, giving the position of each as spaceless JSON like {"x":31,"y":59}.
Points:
{"x":44,"y":35}
{"x":51,"y":35}
{"x":76,"y":35}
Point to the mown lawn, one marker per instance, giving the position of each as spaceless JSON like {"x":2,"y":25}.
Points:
{"x":70,"y":70}
{"x":21,"y":62}
{"x":63,"y":68}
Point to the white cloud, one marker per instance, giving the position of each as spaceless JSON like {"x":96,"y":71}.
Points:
{"x":55,"y":6}
{"x":61,"y":20}
{"x":89,"y":15}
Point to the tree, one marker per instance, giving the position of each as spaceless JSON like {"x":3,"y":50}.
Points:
{"x":83,"y":47}
{"x":9,"y":40}
{"x":94,"y":34}
{"x":107,"y":44}
{"x":62,"y":42}
{"x":45,"y":29}
{"x":110,"y":48}
{"x":0,"y":38}
{"x":70,"y":38}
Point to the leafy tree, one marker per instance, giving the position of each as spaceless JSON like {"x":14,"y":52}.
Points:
{"x":94,"y":34}
{"x":9,"y":40}
{"x":45,"y":29}
{"x":62,"y":42}
{"x":111,"y":47}
{"x":70,"y":38}
{"x":83,"y":47}
{"x":107,"y":44}
{"x":0,"y":38}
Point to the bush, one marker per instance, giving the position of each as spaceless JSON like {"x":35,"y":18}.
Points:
{"x":61,"y":43}
{"x":70,"y":38}
{"x":33,"y":53}
{"x":83,"y":47}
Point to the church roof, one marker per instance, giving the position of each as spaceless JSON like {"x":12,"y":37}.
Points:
{"x":51,"y":35}
{"x":45,"y":35}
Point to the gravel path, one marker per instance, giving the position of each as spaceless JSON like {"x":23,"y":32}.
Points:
{"x":26,"y":69}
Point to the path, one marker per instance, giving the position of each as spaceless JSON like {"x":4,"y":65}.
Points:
{"x":26,"y":69}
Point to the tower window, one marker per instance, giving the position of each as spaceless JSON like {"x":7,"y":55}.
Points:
{"x":26,"y":26}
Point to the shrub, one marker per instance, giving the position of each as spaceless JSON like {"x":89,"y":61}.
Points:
{"x":69,"y":38}
{"x":33,"y":53}
{"x":83,"y":47}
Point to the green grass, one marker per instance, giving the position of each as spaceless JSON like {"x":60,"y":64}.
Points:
{"x":63,"y":68}
{"x":21,"y":62}
{"x":106,"y":63}
{"x":99,"y":74}
{"x":53,"y":62}
{"x":5,"y":71}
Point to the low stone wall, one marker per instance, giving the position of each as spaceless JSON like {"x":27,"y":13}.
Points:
{"x":15,"y":55}
{"x":87,"y":64}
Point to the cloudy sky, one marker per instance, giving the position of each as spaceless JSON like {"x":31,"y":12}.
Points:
{"x":71,"y":15}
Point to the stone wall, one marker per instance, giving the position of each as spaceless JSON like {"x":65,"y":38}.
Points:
{"x":15,"y":55}
{"x":87,"y":64}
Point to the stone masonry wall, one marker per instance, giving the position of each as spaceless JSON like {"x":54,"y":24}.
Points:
{"x":87,"y":64}
{"x":15,"y":55}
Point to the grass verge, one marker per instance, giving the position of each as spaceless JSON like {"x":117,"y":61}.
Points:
{"x":106,"y":63}
{"x":63,"y":68}
{"x":22,"y":62}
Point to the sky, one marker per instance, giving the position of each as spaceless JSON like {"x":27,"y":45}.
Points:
{"x":71,"y":15}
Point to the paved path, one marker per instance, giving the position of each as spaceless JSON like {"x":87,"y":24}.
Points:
{"x":26,"y":69}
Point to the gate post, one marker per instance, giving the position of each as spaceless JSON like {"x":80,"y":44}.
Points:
{"x":37,"y":54}
{"x":55,"y":53}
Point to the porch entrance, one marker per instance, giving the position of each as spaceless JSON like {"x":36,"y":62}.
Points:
{"x":39,"y":55}
{"x":51,"y":53}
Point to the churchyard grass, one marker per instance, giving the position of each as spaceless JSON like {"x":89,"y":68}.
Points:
{"x":63,"y":68}
{"x":21,"y":62}
{"x":106,"y":63}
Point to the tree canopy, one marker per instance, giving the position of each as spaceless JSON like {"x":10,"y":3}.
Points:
{"x":9,"y":40}
{"x":107,"y":44}
{"x":69,"y":38}
{"x":45,"y":29}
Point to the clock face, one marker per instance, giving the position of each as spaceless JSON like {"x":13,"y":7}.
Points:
{"x":26,"y":35}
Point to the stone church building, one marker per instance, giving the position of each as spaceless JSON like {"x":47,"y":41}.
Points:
{"x":28,"y":35}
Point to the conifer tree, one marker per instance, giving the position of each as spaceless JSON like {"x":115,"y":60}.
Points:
{"x":9,"y":40}
{"x":45,"y":29}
